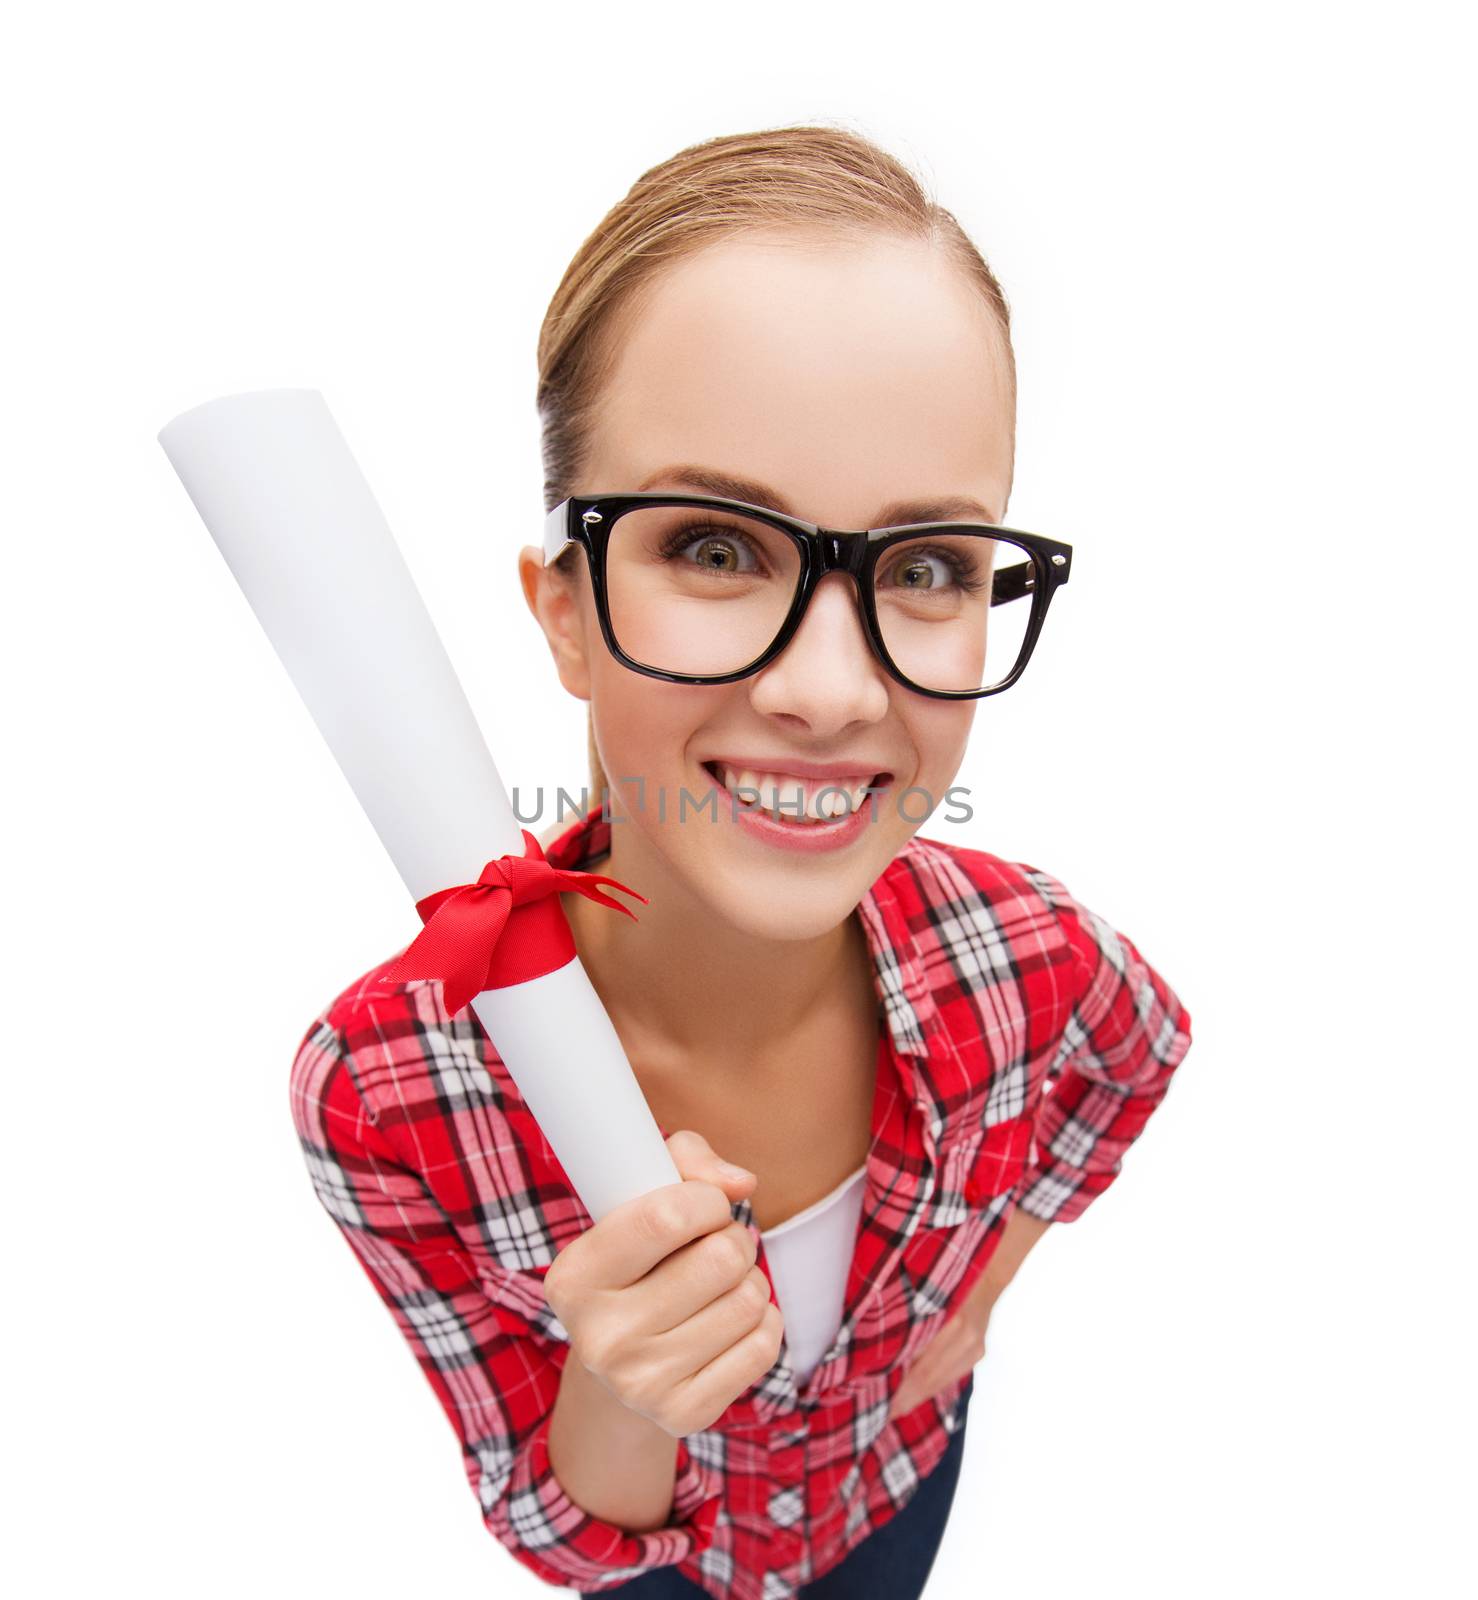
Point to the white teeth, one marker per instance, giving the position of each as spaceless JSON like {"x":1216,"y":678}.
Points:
{"x":791,"y":798}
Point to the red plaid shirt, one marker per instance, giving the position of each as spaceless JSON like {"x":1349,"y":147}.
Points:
{"x":1024,"y":1043}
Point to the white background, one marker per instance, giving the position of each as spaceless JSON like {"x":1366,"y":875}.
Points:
{"x":1236,"y":244}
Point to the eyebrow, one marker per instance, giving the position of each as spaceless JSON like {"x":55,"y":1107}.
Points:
{"x":726,"y":485}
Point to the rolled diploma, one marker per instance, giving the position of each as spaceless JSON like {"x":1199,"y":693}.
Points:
{"x":275,"y":483}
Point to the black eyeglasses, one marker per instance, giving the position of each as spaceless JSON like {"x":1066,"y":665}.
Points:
{"x":695,"y":589}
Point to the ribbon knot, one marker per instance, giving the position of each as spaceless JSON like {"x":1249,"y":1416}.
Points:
{"x":465,"y":940}
{"x":525,"y":877}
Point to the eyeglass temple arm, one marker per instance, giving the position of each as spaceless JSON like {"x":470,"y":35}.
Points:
{"x":1012,"y":583}
{"x":555,"y":536}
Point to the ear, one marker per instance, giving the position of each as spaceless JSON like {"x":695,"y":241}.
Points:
{"x":559,"y":604}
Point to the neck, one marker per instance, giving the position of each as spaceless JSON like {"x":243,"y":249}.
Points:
{"x":680,"y":986}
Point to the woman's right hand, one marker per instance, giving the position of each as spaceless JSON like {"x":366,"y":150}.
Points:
{"x":662,"y":1299}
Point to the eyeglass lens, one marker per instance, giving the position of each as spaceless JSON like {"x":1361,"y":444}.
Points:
{"x":704,"y":592}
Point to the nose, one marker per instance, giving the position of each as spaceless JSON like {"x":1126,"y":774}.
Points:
{"x":827,"y":676}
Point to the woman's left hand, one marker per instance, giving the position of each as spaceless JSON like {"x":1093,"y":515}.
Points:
{"x":949,"y":1355}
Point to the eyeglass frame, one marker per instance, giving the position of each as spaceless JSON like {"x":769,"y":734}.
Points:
{"x":582,"y":520}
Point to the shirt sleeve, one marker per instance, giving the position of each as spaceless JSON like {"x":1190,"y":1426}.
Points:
{"x":1125,"y":1035}
{"x":495,"y":1375}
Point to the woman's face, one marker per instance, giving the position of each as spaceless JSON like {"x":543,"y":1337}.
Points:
{"x":844,"y":378}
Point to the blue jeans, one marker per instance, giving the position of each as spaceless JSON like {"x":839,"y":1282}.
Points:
{"x":892,"y":1562}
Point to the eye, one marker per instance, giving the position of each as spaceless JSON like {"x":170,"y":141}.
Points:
{"x":937,"y":569}
{"x":922,"y":571}
{"x":715,"y":548}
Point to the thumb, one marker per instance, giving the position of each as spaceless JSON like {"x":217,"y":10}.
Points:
{"x":694,"y":1157}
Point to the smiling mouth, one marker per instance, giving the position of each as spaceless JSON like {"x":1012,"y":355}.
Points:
{"x":802,"y":802}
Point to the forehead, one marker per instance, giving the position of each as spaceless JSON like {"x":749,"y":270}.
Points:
{"x":846,"y":372}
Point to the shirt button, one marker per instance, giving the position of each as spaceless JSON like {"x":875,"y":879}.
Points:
{"x":972,"y":1191}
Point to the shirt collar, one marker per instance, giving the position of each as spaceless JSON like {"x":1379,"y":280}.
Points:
{"x":900,"y":975}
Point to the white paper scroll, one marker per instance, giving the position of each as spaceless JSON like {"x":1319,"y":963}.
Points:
{"x":282,"y":496}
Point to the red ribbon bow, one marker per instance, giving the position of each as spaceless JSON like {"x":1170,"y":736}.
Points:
{"x":465,"y":941}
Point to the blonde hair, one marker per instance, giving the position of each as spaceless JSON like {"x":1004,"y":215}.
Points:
{"x":801,"y":176}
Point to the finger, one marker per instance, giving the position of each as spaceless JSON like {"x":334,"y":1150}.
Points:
{"x":739,"y":1364}
{"x":645,"y":1230}
{"x":694,"y":1157}
{"x":714,"y":1325}
{"x":695,"y":1276}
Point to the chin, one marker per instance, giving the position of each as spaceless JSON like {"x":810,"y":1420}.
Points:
{"x":778,"y":906}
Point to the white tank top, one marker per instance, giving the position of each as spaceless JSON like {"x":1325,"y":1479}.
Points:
{"x":810,"y":1256}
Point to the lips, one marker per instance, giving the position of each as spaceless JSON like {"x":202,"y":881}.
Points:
{"x":804,"y":799}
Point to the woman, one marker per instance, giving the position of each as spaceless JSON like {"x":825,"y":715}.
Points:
{"x":918,"y":1053}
